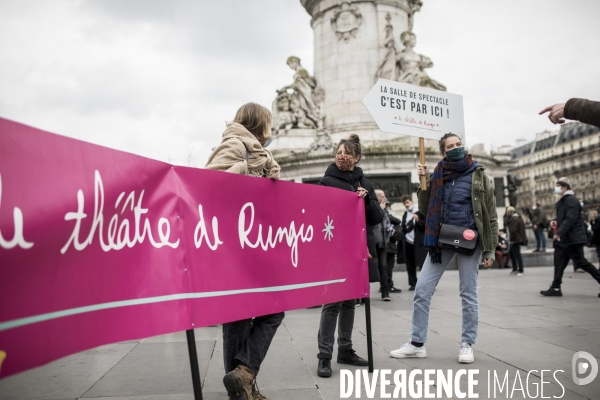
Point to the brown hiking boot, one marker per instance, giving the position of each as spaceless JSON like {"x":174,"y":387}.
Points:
{"x":239,"y":383}
{"x":256,"y":394}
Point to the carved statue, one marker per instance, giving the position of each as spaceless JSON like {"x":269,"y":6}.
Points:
{"x":298,"y":105}
{"x":513,"y":183}
{"x":283,"y":116}
{"x":346,"y":20}
{"x":406,"y":65}
{"x":415,"y":5}
{"x":412,"y":65}
{"x":387,"y":70}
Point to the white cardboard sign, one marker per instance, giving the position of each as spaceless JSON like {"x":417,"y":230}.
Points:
{"x":412,"y":110}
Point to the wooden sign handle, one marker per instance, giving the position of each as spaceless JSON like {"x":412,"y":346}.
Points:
{"x":422,"y":161}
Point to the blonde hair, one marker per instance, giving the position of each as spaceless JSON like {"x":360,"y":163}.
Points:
{"x":256,"y":118}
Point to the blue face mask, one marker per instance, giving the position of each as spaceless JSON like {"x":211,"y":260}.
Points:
{"x":557,"y":190}
{"x":456,"y":154}
{"x":267,"y":143}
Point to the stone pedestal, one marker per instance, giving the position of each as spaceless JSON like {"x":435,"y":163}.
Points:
{"x":346,"y":66}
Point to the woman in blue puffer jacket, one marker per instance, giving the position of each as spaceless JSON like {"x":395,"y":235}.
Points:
{"x":459,"y":193}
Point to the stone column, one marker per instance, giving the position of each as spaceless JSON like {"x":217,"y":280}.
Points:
{"x":349,"y":38}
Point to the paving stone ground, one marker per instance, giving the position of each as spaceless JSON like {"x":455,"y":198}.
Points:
{"x":519,"y":331}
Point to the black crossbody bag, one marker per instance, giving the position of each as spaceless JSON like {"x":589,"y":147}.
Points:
{"x":456,"y":238}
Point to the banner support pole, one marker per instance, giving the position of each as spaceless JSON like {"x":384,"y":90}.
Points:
{"x":369,"y":336}
{"x":191,"y":341}
{"x":422,"y":161}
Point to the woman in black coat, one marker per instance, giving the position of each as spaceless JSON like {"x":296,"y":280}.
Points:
{"x":344,"y":174}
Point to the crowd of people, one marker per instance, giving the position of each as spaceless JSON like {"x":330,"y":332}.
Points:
{"x":455,"y":217}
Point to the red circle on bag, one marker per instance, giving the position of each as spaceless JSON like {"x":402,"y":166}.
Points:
{"x":469,"y":234}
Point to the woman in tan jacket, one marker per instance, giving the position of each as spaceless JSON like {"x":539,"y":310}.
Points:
{"x":246,"y":342}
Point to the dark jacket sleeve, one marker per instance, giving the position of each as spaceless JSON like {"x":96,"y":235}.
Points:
{"x":373,"y":211}
{"x":394,"y":220}
{"x":571,"y":216}
{"x":420,"y":223}
{"x":583,"y":110}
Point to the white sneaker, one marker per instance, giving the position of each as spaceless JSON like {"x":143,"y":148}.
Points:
{"x":465,"y":354}
{"x":408,"y":350}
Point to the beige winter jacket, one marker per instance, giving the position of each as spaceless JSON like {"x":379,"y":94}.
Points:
{"x":230,"y":156}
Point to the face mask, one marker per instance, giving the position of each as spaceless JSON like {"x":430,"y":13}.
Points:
{"x":267,"y":143}
{"x":343,"y":161}
{"x":456,"y":154}
{"x":581,"y":204}
{"x":534,"y":208}
{"x":410,"y":208}
{"x":557,"y":190}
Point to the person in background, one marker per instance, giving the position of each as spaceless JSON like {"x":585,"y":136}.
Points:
{"x":392,"y":248}
{"x":569,"y":239}
{"x":588,"y":232}
{"x":246,"y":342}
{"x":382,"y":234}
{"x":344,"y":174}
{"x":502,"y":249}
{"x":595,"y":223}
{"x":516,"y":229}
{"x":410,"y":222}
{"x":539,"y":223}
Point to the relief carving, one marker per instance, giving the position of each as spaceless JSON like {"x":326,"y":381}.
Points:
{"x":346,"y":20}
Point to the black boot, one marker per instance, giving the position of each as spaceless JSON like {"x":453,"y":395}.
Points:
{"x":350,"y":357}
{"x":324,"y":369}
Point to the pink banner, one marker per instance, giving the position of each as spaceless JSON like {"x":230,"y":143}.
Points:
{"x":99,"y":246}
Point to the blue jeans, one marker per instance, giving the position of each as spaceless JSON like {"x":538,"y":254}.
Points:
{"x":540,"y":239}
{"x":248,"y":340}
{"x":468,"y":270}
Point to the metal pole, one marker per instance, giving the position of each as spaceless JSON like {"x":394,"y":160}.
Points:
{"x":369,"y":336}
{"x":191,"y":341}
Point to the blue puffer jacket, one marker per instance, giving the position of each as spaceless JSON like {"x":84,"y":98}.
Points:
{"x":458,"y":206}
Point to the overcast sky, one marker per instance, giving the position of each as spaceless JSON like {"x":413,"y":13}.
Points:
{"x":160,"y":78}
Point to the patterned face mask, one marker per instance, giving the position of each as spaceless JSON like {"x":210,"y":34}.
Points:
{"x":343,"y":161}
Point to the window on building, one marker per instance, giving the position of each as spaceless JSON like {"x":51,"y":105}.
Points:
{"x":583,"y":179}
{"x":572,"y":147}
{"x":592,"y":180}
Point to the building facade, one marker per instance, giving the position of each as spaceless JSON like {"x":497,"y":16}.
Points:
{"x":572,"y":152}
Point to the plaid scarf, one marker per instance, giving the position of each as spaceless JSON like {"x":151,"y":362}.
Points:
{"x":445,"y":171}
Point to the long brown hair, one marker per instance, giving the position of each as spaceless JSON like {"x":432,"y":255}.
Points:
{"x":256,"y":118}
